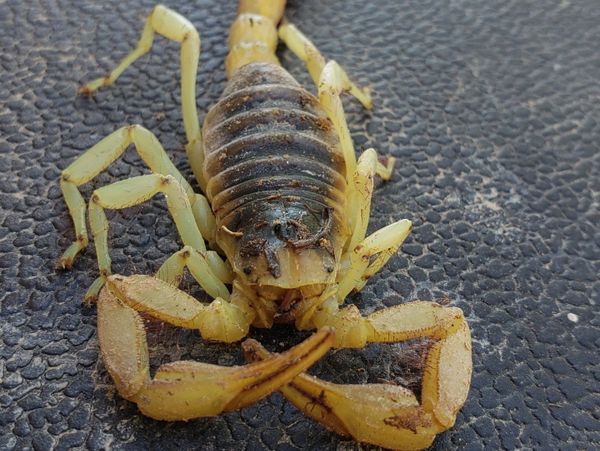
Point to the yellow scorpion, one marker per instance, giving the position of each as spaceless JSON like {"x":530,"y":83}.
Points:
{"x":286,"y":202}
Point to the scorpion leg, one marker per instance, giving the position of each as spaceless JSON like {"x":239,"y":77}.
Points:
{"x":315,"y":62}
{"x":387,"y":415}
{"x":367,"y":257}
{"x":175,"y":27}
{"x":185,"y":389}
{"x":99,"y":157}
{"x":360,"y":193}
{"x":204,"y":267}
{"x":136,"y":190}
{"x":359,"y":175}
{"x":221,"y":320}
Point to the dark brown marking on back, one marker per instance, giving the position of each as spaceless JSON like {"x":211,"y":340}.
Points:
{"x":272,"y":157}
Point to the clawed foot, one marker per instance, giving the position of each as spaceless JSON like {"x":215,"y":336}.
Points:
{"x":388,"y":415}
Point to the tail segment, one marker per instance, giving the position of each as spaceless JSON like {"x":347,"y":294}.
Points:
{"x":253,"y":35}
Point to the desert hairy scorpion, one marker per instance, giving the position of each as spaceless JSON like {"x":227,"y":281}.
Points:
{"x":287,"y":203}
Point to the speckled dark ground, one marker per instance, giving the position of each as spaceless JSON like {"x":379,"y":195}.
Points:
{"x":492,"y":110}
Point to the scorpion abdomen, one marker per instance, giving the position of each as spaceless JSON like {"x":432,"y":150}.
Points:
{"x":275,"y":176}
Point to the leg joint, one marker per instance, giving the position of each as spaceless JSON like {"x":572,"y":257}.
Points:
{"x":133,"y":127}
{"x":167,"y":179}
{"x":192,"y":36}
{"x":186,"y":252}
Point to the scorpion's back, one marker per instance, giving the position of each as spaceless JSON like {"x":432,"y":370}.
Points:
{"x":276,"y":179}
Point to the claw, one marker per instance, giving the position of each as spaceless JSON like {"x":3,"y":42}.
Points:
{"x":184,"y":390}
{"x":90,"y":88}
{"x":381,"y":414}
{"x":91,"y":295}
{"x":66,"y":259}
{"x":387,"y":415}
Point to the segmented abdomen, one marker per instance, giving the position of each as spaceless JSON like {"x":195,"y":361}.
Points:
{"x":268,"y":140}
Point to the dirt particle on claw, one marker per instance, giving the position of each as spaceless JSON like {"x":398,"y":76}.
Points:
{"x":409,"y":418}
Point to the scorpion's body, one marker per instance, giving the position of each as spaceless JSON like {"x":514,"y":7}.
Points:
{"x":287,"y":203}
{"x":276,"y":181}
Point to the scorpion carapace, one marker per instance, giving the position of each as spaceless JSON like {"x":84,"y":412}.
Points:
{"x":287,"y":204}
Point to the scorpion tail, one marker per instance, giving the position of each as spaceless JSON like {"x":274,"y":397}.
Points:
{"x":253,"y":35}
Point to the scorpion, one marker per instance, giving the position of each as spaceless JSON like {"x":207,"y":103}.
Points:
{"x":285,"y":209}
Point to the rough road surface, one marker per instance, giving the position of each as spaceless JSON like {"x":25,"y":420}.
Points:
{"x":492,"y":109}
